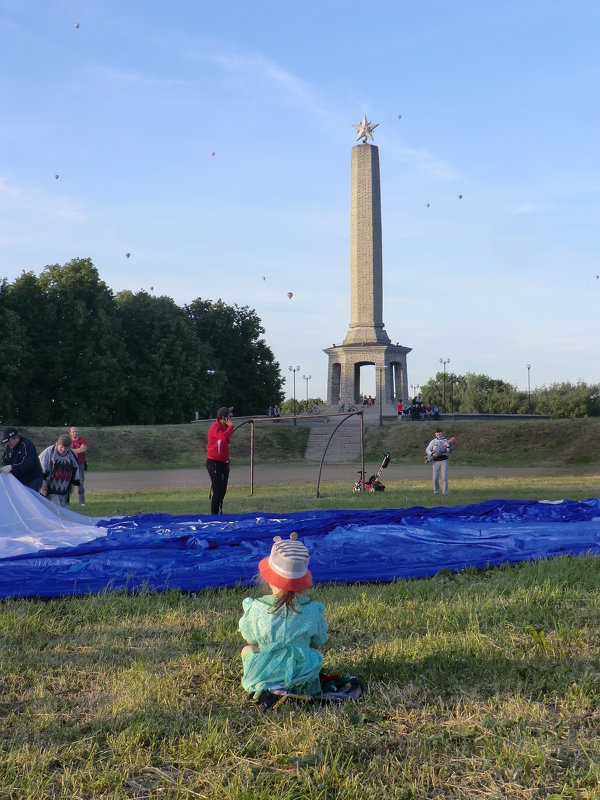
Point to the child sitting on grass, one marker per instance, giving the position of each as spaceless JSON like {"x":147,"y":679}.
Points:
{"x":284,"y":627}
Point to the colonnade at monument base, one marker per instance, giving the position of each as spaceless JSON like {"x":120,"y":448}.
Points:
{"x":391,"y":379}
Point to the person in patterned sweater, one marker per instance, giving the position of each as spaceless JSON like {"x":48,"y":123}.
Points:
{"x":60,"y":471}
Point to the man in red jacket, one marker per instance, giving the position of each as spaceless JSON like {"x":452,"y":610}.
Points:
{"x":217,"y":457}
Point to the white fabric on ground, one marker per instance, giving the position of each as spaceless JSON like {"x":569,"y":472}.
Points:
{"x":29,"y":522}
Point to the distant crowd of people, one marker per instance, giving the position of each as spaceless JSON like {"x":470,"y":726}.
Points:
{"x":418,"y":410}
{"x":55,"y":472}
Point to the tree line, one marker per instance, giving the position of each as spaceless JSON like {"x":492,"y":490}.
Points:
{"x":74,"y":352}
{"x":475,"y":393}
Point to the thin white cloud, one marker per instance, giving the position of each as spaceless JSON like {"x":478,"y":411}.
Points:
{"x":423,"y":161}
{"x":17,"y":202}
{"x":526,"y":209}
{"x":265,"y":76}
{"x":124,"y":77}
{"x":7,"y":191}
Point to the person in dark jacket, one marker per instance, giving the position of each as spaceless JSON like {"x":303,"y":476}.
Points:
{"x":21,"y":459}
{"x":217,"y":457}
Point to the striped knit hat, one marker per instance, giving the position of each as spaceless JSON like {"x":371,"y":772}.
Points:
{"x":287,"y":566}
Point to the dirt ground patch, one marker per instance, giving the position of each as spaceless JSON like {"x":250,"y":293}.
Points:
{"x":293,"y":473}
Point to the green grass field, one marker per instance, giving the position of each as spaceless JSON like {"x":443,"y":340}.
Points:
{"x":482,"y":684}
{"x":300,"y":497}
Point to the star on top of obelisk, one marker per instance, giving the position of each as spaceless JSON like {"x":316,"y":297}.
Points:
{"x":365,"y":129}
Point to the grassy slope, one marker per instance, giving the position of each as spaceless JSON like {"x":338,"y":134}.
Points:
{"x":163,"y":446}
{"x":569,"y":443}
{"x":504,"y":443}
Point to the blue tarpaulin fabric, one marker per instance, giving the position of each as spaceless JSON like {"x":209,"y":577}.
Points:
{"x":162,"y":552}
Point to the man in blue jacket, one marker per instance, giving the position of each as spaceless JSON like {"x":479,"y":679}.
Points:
{"x":20,"y":457}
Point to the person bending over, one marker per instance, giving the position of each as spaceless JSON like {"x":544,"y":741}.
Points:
{"x":60,"y":471}
{"x":21,"y":459}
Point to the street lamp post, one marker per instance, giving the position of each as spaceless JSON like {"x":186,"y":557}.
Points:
{"x":444,"y":361}
{"x":380,"y":393}
{"x":211,"y":372}
{"x":294,"y":370}
{"x":528,"y":389}
{"x":267,"y":380}
{"x":307,"y":378}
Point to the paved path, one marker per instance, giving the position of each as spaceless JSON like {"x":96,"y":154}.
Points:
{"x":295,"y":473}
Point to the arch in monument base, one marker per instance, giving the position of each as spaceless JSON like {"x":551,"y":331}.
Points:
{"x":343,"y":376}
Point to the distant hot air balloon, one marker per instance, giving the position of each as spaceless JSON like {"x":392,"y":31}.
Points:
{"x":427,"y":205}
{"x":290,"y":295}
{"x":127,"y":255}
{"x":460,"y":196}
{"x":56,"y":177}
{"x":399,"y":116}
{"x":213,"y":154}
{"x":152,"y":288}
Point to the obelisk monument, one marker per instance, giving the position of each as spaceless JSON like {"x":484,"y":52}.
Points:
{"x":366,"y":269}
{"x":367,"y":342}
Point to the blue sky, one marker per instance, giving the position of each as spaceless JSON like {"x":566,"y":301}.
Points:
{"x":494,"y":101}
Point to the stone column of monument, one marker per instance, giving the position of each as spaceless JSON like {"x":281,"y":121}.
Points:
{"x":366,"y":261}
{"x":367,"y":342}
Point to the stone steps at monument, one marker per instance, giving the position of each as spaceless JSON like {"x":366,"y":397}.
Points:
{"x":344,"y":447}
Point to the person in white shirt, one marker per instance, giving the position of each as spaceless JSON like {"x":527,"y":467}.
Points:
{"x":436,"y":453}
